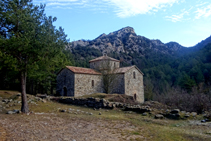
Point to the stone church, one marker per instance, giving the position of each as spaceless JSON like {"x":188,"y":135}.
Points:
{"x":77,"y":81}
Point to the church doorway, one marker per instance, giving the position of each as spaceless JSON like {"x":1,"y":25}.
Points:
{"x":64,"y":91}
{"x":135,"y":97}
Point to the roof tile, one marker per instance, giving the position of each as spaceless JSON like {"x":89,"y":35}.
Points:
{"x":82,"y":70}
{"x":123,"y":70}
{"x":103,"y":58}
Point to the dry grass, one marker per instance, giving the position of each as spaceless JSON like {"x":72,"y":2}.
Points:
{"x":8,"y":94}
{"x":47,"y":123}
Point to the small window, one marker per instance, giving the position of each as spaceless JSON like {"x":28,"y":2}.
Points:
{"x":114,"y":65}
{"x":93,"y":83}
{"x":135,"y":97}
{"x":134,"y":75}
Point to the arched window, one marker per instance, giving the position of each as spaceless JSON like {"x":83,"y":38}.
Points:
{"x":134,"y":75}
{"x":93,"y":83}
{"x":64,"y":91}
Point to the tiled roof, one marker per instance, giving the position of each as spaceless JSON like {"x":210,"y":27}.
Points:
{"x":123,"y":70}
{"x":104,"y":57}
{"x":82,"y":70}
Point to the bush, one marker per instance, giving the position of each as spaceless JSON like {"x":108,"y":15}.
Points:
{"x":190,"y":102}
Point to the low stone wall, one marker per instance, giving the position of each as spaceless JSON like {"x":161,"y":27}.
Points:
{"x":102,"y":103}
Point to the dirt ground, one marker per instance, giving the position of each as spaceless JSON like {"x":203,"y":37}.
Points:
{"x":56,"y":128}
{"x":48,"y":123}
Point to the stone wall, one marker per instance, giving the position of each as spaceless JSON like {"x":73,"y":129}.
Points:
{"x":103,"y":103}
{"x":83,"y":84}
{"x":134,"y":86}
{"x":118,"y":84}
{"x":65,"y":80}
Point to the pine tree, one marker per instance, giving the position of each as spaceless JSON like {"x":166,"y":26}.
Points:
{"x":28,"y":37}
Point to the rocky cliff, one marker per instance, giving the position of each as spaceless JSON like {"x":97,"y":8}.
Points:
{"x":127,"y":41}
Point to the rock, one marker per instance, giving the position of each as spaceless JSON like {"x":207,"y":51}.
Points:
{"x":90,"y":114}
{"x":19,"y":94}
{"x":144,"y":114}
{"x":187,"y":115}
{"x":62,"y":110}
{"x":193,"y":114}
{"x":13,"y":112}
{"x":99,"y":113}
{"x":44,"y":101}
{"x":159,"y":116}
{"x":204,"y":120}
{"x":10,"y":112}
{"x":5,"y":100}
{"x":175,"y":111}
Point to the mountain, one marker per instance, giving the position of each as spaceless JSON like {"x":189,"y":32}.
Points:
{"x":203,"y":43}
{"x":127,"y":46}
{"x":126,"y":40}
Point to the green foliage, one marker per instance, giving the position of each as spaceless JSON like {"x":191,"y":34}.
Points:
{"x":82,"y":55}
{"x":30,"y":44}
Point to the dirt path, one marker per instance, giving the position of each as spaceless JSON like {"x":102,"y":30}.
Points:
{"x":54,"y":128}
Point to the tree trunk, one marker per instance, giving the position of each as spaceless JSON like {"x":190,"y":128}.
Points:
{"x":24,"y":107}
{"x":51,"y":88}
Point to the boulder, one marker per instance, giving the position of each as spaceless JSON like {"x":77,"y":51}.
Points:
{"x":175,"y":111}
{"x":62,"y":110}
{"x":187,"y":115}
{"x":193,"y":114}
{"x":19,"y":94}
{"x":13,"y":112}
{"x":159,"y":116}
{"x":5,"y":100}
{"x":144,"y":114}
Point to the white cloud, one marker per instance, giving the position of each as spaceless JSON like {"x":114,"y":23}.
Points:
{"x":127,"y":8}
{"x":197,"y":10}
{"x":122,"y":8}
{"x":180,"y":16}
{"x":203,"y":12}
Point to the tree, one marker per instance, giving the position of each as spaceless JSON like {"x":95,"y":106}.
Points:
{"x":109,"y":75}
{"x":28,"y":37}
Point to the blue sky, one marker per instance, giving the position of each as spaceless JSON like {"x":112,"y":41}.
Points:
{"x":184,"y":21}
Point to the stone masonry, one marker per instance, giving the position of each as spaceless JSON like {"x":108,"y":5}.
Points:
{"x":76,"y":81}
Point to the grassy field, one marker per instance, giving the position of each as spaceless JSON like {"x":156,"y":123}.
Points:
{"x":108,"y":125}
